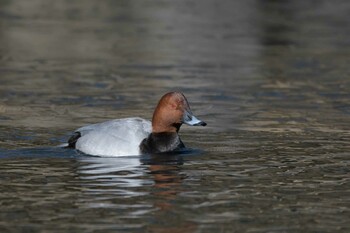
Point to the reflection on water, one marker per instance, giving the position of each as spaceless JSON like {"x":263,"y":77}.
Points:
{"x":269,"y":77}
{"x":87,"y":186}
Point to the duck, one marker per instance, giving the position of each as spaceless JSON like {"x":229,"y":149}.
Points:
{"x":135,"y":135}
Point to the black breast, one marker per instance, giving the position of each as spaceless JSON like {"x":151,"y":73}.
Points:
{"x":161,"y":142}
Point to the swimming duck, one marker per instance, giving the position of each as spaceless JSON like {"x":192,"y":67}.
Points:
{"x":135,"y":136}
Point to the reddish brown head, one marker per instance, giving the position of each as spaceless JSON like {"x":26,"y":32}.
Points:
{"x":171,"y":112}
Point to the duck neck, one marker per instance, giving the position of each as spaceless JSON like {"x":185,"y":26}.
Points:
{"x":159,"y":128}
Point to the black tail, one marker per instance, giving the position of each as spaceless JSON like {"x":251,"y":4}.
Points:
{"x":73,"y":140}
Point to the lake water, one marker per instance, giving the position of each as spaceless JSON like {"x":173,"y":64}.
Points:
{"x":271,"y":79}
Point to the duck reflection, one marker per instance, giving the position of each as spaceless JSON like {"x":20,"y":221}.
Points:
{"x":112,"y":175}
{"x":168,"y":177}
{"x":153,"y":180}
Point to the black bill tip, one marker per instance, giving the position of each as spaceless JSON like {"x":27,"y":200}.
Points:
{"x":202,"y":123}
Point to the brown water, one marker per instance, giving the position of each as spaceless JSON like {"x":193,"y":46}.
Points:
{"x":271,"y":79}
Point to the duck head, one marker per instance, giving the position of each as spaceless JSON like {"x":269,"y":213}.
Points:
{"x":171,"y":112}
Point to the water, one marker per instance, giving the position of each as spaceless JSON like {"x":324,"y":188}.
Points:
{"x":270,"y":78}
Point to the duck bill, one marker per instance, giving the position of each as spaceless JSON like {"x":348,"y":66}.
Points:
{"x":189,"y":119}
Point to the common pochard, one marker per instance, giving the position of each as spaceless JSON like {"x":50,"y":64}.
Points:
{"x":135,"y":136}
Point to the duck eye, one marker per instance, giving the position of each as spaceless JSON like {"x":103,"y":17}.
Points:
{"x":177,"y":108}
{"x":174,"y":106}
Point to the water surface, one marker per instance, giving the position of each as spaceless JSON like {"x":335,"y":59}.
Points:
{"x":270,"y":78}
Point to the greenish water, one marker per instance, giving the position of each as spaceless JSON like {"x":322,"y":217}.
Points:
{"x":271,"y":79}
